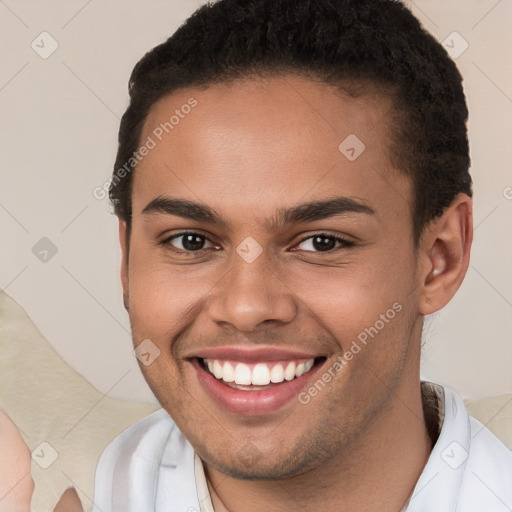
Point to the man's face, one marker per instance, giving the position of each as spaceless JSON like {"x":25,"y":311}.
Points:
{"x":268,"y":287}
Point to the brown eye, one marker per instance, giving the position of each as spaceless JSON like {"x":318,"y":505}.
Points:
{"x":189,"y":242}
{"x":322,"y":242}
{"x":193,"y":242}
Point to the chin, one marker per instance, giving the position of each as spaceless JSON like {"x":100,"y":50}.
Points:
{"x":249,"y":463}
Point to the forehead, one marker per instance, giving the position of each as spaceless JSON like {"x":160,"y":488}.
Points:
{"x":263,"y":142}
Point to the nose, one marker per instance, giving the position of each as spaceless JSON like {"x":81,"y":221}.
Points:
{"x":251,"y":296}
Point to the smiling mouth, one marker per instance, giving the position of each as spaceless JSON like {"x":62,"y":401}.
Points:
{"x":258,"y":376}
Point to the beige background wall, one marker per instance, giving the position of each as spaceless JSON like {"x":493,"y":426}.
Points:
{"x":59,"y":121}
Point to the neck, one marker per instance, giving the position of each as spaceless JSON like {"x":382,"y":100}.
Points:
{"x":378,"y":471}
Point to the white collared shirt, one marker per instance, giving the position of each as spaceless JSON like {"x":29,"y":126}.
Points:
{"x":151,"y":467}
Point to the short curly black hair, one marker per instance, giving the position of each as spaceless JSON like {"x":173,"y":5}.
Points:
{"x":338,"y":42}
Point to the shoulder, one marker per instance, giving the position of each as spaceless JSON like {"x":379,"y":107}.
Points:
{"x":485,"y":446}
{"x":144,"y":465}
{"x":488,"y":475}
{"x":485,"y":460}
{"x":145,"y":437}
{"x":469,"y":469}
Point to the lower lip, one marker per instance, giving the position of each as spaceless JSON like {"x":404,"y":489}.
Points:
{"x":253,"y":403}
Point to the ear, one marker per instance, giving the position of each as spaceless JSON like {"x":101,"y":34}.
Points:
{"x":445,"y":244}
{"x":123,"y":241}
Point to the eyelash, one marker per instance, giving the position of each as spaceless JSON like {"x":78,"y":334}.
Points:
{"x":345,"y":244}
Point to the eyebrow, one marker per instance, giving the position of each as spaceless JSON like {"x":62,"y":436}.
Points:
{"x":302,"y":213}
{"x":184,"y":208}
{"x":319,"y":210}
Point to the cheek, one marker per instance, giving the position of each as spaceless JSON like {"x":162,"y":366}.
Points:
{"x":344,"y":300}
{"x":349,"y":299}
{"x":161,"y":298}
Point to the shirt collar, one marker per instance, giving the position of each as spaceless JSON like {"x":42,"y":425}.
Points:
{"x":438,"y":487}
{"x":448,"y":426}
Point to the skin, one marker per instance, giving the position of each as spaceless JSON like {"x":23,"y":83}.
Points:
{"x":69,"y":502}
{"x":16,"y":483}
{"x":248,"y":150}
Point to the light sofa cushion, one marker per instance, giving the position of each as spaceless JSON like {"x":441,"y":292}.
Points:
{"x":51,"y":403}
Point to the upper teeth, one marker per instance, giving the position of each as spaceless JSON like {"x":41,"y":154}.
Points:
{"x":259,"y":374}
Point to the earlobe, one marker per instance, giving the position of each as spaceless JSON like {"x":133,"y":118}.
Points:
{"x":123,"y":241}
{"x":446,"y":245}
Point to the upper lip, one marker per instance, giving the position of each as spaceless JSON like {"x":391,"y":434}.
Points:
{"x":252,"y":355}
